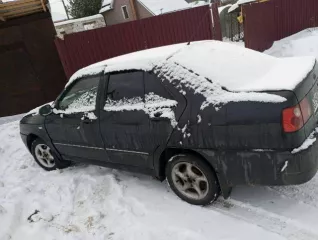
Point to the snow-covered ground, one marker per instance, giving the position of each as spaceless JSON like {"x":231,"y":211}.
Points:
{"x":90,"y":202}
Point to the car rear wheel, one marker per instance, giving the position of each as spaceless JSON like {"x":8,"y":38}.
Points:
{"x":192,"y":179}
{"x":45,"y":157}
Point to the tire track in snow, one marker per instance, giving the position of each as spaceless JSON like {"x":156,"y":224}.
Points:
{"x":269,"y":221}
{"x":306,"y":193}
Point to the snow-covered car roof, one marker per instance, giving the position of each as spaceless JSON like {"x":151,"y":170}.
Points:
{"x":142,"y":60}
{"x":233,"y":67}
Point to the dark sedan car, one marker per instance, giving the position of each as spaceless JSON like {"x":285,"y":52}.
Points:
{"x":206,"y":116}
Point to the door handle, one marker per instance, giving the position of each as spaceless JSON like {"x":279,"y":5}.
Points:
{"x":158,"y":117}
{"x":87,"y":120}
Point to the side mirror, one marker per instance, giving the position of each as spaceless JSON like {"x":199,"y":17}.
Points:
{"x":46,"y":110}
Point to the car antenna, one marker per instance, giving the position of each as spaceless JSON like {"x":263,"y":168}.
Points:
{"x":188,"y":43}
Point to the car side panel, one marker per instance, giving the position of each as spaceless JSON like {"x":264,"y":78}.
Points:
{"x":34,"y":125}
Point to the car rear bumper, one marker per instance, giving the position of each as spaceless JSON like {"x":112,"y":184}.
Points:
{"x":264,"y":167}
{"x":302,"y":166}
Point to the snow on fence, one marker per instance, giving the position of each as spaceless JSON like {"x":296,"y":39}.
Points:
{"x":82,"y":49}
{"x":273,"y":20}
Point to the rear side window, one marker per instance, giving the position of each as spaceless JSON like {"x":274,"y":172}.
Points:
{"x":158,"y":101}
{"x":81,"y":97}
{"x":125,"y":90}
{"x":154,"y":85}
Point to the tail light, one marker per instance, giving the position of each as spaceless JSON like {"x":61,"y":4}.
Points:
{"x":295,"y":117}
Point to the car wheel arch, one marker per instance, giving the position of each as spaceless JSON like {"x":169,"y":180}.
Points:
{"x":30,"y":139}
{"x":168,"y":153}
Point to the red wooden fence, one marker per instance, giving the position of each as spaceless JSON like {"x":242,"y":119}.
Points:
{"x":82,"y":49}
{"x":270,"y":21}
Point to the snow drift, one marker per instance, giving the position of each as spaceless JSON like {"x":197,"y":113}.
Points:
{"x":304,"y":43}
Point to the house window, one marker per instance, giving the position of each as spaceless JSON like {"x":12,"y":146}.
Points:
{"x":125,"y":12}
{"x":89,"y":25}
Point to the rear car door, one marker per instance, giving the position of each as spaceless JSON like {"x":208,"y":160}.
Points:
{"x":74,"y":126}
{"x":164,"y":110}
{"x":123,"y":122}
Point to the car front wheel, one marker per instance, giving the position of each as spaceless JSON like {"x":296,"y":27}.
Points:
{"x":192,"y":179}
{"x":45,"y":157}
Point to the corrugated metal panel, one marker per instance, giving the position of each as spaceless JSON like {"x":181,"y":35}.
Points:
{"x":270,"y":21}
{"x":216,"y":27}
{"x":82,"y":49}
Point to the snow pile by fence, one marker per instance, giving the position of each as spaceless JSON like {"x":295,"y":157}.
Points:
{"x":304,"y":43}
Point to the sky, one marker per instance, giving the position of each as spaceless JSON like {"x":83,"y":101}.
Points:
{"x":57,"y":10}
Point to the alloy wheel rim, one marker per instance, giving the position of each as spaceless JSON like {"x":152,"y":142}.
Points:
{"x":190,"y":181}
{"x":44,"y":155}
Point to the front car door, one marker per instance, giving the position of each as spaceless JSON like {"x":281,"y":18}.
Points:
{"x":74,"y":125}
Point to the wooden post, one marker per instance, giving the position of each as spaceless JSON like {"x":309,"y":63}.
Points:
{"x":43,"y":5}
{"x":133,"y":9}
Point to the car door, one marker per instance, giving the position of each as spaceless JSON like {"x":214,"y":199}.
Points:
{"x":165,"y":106}
{"x":123,"y":122}
{"x":74,"y":125}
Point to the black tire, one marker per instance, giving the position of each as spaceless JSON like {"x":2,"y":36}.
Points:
{"x":56,"y":163}
{"x":210,"y":188}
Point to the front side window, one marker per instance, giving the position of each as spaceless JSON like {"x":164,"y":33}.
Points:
{"x":81,"y":97}
{"x":125,"y":91}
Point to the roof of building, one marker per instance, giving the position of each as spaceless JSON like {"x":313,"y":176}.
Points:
{"x":85,"y":19}
{"x":158,"y":7}
{"x":226,"y":7}
{"x":19,"y":8}
{"x":198,"y":3}
{"x":106,"y":6}
{"x":239,"y":3}
{"x":106,"y":2}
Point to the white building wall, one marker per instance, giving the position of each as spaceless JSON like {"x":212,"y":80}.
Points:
{"x":79,"y":25}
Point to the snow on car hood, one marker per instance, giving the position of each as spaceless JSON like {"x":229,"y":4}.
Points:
{"x":240,"y":69}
